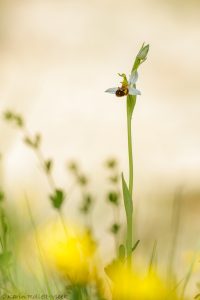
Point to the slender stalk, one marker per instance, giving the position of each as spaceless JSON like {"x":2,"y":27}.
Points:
{"x":130,"y":104}
{"x":130,"y":153}
{"x":129,"y":238}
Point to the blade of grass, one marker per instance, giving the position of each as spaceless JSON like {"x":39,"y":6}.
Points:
{"x":39,"y":248}
{"x":153,"y":257}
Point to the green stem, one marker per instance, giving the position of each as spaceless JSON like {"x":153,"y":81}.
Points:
{"x":130,"y":154}
{"x":129,"y":241}
{"x":128,"y":191}
{"x":79,"y":293}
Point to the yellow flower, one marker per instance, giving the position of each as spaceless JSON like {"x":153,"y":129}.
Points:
{"x":130,"y":285}
{"x":70,"y":250}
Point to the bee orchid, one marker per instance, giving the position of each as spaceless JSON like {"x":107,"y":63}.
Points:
{"x":127,"y":86}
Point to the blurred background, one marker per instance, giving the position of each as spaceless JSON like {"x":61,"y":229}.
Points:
{"x":56,"y":60}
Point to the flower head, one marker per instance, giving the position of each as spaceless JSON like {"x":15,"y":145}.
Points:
{"x":127,"y":86}
{"x":128,"y":284}
{"x":70,"y":251}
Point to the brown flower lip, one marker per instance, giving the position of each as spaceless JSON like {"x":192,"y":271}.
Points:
{"x":121,"y":91}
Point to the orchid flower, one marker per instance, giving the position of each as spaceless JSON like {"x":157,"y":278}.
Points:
{"x":127,"y":86}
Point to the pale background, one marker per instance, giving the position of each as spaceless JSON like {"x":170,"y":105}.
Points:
{"x":56,"y":60}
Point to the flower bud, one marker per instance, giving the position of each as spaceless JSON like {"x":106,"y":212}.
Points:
{"x":142,"y":54}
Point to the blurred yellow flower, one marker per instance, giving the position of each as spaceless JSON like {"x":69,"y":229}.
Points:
{"x":70,"y":250}
{"x":130,"y":285}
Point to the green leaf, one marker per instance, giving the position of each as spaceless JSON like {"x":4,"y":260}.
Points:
{"x":111,"y":163}
{"x":127,"y":199}
{"x":33,"y":142}
{"x":8,"y":115}
{"x":82,"y":180}
{"x":129,"y":213}
{"x":131,"y":100}
{"x":113,"y":197}
{"x":48,"y":165}
{"x":114,"y":179}
{"x":73,"y":166}
{"x":19,"y":121}
{"x":57,"y":198}
{"x":28,"y":141}
{"x":13,"y":117}
{"x":115,"y":228}
{"x":37,"y":141}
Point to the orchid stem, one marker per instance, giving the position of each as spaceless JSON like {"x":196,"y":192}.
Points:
{"x":130,"y":154}
{"x":129,"y":240}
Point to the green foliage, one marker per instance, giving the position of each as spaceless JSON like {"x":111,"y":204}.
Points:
{"x":48,"y":164}
{"x":114,"y":179}
{"x":111,"y":163}
{"x":115,"y":228}
{"x":57,"y":198}
{"x":6,"y":256}
{"x":72,"y":166}
{"x":113,"y":198}
{"x":82,"y":180}
{"x":33,"y":142}
{"x":14,"y":118}
{"x":127,"y":199}
{"x":129,"y":212}
{"x":86,"y":204}
{"x":81,"y":292}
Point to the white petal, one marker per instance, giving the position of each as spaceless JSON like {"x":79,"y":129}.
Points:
{"x":133,"y":92}
{"x":133,"y":78}
{"x":112,"y":90}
